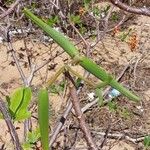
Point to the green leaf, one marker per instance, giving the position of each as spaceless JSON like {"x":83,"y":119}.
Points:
{"x":96,"y":11}
{"x":16,"y":99}
{"x":82,"y":29}
{"x":114,"y":16}
{"x":22,"y":112}
{"x":147,"y":141}
{"x":57,"y":88}
{"x":75,"y":19}
{"x":53,"y":89}
{"x":78,"y":82}
{"x":26,"y":98}
{"x":124,"y":35}
{"x":87,"y":3}
{"x":100,"y":96}
{"x":33,"y":136}
{"x":112,"y":106}
{"x":52,"y":21}
{"x":27,"y":146}
{"x":43,"y":117}
{"x":125,"y":113}
{"x":106,"y":9}
{"x":19,"y":101}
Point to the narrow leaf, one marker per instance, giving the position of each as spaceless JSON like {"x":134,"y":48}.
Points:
{"x":43,"y":117}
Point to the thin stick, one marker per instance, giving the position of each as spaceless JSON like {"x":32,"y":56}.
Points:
{"x":120,"y":136}
{"x":81,"y":119}
{"x":46,"y":62}
{"x":105,"y":136}
{"x":10,"y":125}
{"x":11,"y":50}
{"x":62,"y":120}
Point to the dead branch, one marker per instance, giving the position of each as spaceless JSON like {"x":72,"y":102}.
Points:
{"x":10,"y":125}
{"x":105,"y":136}
{"x":81,"y":119}
{"x":120,"y":136}
{"x":125,"y":7}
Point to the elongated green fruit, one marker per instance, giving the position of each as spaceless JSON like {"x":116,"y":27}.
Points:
{"x":100,"y":73}
{"x":85,"y":62}
{"x":56,"y":36}
{"x":43,"y":117}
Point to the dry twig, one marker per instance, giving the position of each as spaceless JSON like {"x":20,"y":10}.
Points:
{"x":125,"y":7}
{"x":120,"y":136}
{"x":10,"y":125}
{"x":81,"y":118}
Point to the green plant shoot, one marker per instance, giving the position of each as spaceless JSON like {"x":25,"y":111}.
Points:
{"x":146,"y":142}
{"x":43,"y":117}
{"x":32,"y":138}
